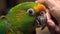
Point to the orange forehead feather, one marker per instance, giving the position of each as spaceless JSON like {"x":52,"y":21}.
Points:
{"x":39,"y":7}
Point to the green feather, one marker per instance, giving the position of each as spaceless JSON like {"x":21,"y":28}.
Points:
{"x":3,"y":25}
{"x":20,"y":20}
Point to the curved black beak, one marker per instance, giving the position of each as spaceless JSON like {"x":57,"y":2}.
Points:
{"x":41,"y":20}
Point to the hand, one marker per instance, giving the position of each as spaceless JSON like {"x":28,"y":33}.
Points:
{"x":54,"y":8}
{"x":53,"y":28}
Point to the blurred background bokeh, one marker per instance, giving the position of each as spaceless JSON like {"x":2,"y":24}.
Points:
{"x":5,"y":5}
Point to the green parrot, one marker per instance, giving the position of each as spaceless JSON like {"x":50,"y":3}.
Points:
{"x":22,"y":17}
{"x":4,"y":25}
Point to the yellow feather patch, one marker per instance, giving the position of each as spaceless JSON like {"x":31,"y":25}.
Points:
{"x":39,"y":7}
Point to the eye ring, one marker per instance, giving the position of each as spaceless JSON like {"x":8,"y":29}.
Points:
{"x":31,"y":11}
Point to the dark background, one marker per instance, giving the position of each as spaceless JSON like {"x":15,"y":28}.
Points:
{"x":5,"y":5}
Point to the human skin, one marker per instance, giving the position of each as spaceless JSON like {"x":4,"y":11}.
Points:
{"x":54,"y":7}
{"x":54,"y":10}
{"x":53,"y":28}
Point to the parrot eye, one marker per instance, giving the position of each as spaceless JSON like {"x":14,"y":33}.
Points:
{"x":30,"y":11}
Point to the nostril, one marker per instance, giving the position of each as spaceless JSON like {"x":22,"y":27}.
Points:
{"x":42,"y":12}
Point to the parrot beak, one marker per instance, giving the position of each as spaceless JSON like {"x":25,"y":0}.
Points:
{"x":41,"y":20}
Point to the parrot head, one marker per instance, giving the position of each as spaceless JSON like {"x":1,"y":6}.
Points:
{"x":24,"y":15}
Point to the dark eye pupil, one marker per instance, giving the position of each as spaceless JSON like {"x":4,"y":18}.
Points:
{"x":30,"y":11}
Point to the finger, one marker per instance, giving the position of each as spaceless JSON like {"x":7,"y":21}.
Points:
{"x":54,"y":29}
{"x":40,"y":1}
{"x":49,"y":18}
{"x":48,"y":14}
